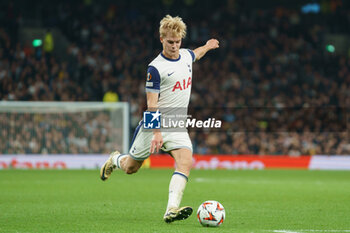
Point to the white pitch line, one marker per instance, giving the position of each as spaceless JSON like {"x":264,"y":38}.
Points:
{"x":286,"y":231}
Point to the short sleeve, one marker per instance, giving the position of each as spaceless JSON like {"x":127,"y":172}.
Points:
{"x":192,"y":55}
{"x":153,"y":80}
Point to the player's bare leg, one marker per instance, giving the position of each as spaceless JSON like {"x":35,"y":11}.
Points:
{"x":122,"y":161}
{"x":183,"y":160}
{"x":129,"y":165}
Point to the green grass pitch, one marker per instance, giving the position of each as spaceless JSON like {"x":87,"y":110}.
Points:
{"x":255,"y":201}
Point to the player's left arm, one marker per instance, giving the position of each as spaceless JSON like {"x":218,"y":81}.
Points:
{"x":201,"y":51}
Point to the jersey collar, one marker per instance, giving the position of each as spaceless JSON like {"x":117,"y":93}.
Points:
{"x":169,"y":59}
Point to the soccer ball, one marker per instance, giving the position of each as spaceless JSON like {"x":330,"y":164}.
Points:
{"x":211,"y":214}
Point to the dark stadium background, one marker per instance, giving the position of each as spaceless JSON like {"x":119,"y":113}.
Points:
{"x":272,"y":55}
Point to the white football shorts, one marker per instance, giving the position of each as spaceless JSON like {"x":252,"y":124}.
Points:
{"x":141,"y":143}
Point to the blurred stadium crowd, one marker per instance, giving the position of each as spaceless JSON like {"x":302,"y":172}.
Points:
{"x":268,"y":58}
{"x":56,"y":133}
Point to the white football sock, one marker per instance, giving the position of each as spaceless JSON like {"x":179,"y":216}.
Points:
{"x":176,"y":189}
{"x":116,"y":159}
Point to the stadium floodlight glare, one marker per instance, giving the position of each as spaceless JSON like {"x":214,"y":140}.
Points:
{"x":311,"y":8}
{"x":37,"y":42}
{"x":330,"y":48}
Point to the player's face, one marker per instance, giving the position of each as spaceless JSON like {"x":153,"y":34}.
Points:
{"x":171,"y":46}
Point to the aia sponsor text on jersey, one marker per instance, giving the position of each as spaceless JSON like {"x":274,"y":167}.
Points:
{"x":182,"y":86}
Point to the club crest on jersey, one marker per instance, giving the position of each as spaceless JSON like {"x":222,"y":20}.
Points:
{"x":182,"y":86}
{"x":149,"y":76}
{"x":189,"y":68}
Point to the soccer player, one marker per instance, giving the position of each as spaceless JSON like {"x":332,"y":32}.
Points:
{"x":168,"y":85}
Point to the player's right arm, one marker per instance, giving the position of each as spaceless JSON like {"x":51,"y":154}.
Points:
{"x":152,"y":95}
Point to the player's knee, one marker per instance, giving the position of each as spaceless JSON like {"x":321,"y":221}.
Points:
{"x":131,"y":170}
{"x":185,"y":165}
{"x":188,"y":166}
{"x":188,"y":163}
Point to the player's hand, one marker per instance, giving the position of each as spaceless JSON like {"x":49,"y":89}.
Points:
{"x":157,"y":142}
{"x":212,"y":44}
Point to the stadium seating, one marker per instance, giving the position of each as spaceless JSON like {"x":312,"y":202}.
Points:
{"x":268,"y":58}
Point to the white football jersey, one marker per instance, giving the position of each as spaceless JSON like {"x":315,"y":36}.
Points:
{"x":172,"y":79}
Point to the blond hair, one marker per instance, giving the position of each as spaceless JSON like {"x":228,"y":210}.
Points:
{"x":174,"y":25}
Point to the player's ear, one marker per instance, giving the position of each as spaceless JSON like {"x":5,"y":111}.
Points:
{"x":161,"y":40}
